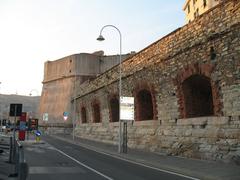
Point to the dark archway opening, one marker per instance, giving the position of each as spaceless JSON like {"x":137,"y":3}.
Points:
{"x":96,"y":113}
{"x":84,"y":115}
{"x":114,"y":108}
{"x":198,"y":99}
{"x":145,"y":105}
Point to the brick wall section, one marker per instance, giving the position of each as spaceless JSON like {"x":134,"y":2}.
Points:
{"x":164,"y":65}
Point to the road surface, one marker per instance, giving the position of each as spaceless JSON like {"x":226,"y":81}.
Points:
{"x":59,"y":160}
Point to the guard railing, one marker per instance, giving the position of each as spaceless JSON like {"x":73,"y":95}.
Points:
{"x":16,"y":156}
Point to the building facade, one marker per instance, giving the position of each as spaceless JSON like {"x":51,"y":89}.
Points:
{"x":61,"y":77}
{"x":186,"y":89}
{"x":194,"y":8}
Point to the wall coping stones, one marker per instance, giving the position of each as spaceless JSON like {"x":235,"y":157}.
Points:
{"x":208,"y":120}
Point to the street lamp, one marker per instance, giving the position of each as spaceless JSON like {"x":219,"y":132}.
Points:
{"x":74,"y":104}
{"x":30,"y":94}
{"x":101,"y":38}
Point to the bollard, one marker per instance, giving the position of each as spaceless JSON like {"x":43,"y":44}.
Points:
{"x":16,"y":161}
{"x":23,"y":171}
{"x":14,"y":150}
{"x":21,"y":167}
{"x":38,"y":134}
{"x":11,"y":150}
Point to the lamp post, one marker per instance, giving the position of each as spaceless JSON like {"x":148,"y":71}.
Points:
{"x":37,"y":93}
{"x":1,"y":110}
{"x":101,"y":38}
{"x":74,"y":105}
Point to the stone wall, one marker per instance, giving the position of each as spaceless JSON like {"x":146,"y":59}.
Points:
{"x":204,"y":55}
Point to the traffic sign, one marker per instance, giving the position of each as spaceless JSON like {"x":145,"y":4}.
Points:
{"x":45,"y":116}
{"x":15,"y":110}
{"x":127,"y":108}
{"x":65,"y":116}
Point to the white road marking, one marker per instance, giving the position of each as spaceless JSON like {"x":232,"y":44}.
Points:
{"x":144,"y":165}
{"x":84,"y":165}
{"x":138,"y":163}
{"x":55,"y":170}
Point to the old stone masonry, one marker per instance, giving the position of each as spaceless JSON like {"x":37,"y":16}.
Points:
{"x":186,"y":88}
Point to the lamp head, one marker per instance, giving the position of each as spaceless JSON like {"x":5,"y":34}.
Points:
{"x":100,"y":38}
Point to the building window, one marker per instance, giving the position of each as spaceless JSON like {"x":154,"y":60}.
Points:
{"x":114,"y":109}
{"x":83,"y":115}
{"x":196,"y":13}
{"x":204,"y":3}
{"x":188,"y":7}
{"x":144,"y":105}
{"x":198,"y":99}
{"x":96,"y":113}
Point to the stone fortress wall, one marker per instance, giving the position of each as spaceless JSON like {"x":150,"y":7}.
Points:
{"x":60,"y":79}
{"x":186,"y":88}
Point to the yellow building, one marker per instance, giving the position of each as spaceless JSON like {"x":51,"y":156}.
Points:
{"x":194,"y":8}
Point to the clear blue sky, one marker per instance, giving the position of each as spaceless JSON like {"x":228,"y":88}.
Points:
{"x":34,"y":31}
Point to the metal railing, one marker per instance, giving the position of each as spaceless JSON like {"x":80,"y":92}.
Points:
{"x":16,"y":156}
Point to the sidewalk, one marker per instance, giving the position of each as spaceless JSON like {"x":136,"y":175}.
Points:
{"x":191,"y":167}
{"x":6,"y":168}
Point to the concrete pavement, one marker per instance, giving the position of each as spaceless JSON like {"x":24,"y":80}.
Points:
{"x":191,"y":167}
{"x":201,"y":169}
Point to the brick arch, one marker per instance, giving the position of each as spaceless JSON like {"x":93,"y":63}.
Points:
{"x":147,"y":90}
{"x":96,"y":111}
{"x":203,"y":71}
{"x":113,"y":106}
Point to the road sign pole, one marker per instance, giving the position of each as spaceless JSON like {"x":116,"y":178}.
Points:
{"x":15,"y":119}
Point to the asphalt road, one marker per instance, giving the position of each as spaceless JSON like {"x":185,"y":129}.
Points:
{"x":60,"y":160}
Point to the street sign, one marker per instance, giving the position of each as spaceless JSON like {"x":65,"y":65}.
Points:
{"x":65,"y":116}
{"x":127,"y":108}
{"x":15,"y":110}
{"x":33,"y":124}
{"x":45,"y":116}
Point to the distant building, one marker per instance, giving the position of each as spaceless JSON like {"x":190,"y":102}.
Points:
{"x":194,"y":8}
{"x":30,"y":105}
{"x":62,"y":76}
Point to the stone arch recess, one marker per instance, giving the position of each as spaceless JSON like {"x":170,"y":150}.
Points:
{"x":143,"y":88}
{"x":83,"y":112}
{"x":96,"y":111}
{"x":202,"y":70}
{"x":113,"y":105}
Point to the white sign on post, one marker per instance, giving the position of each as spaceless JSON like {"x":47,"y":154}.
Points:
{"x":45,"y":116}
{"x":127,"y":108}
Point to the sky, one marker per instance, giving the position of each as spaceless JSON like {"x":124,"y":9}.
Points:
{"x":35,"y":31}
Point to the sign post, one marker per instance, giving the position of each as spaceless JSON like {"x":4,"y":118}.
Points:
{"x":126,"y":114}
{"x":15,"y":110}
{"x":65,"y":117}
{"x":22,"y":126}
